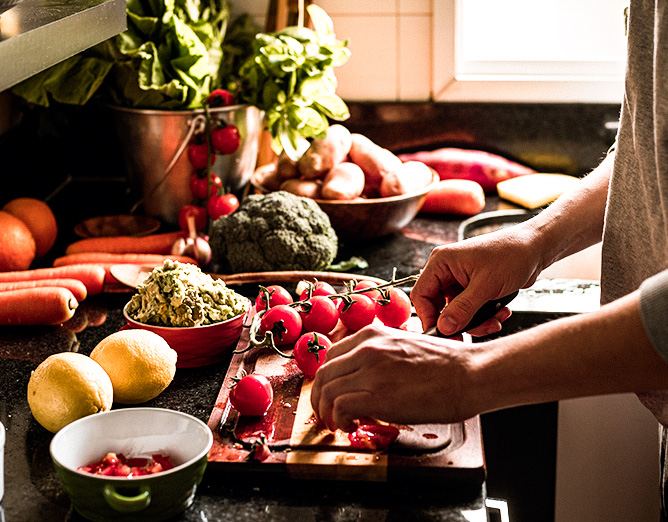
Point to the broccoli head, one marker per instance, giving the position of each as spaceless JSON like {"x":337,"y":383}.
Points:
{"x":276,"y":231}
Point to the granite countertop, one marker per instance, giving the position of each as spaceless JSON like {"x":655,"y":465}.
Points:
{"x":32,"y":488}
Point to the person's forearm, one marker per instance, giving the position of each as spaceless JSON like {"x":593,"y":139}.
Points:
{"x":600,"y":352}
{"x":575,"y":220}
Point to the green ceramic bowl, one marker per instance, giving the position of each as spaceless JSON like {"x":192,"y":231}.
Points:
{"x":135,"y":432}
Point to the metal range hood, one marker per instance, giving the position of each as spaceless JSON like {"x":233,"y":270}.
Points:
{"x":36,"y":34}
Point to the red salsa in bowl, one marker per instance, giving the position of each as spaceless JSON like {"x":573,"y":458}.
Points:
{"x":118,"y":465}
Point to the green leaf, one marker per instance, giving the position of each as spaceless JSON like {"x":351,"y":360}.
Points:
{"x":73,"y":81}
{"x":333,"y":106}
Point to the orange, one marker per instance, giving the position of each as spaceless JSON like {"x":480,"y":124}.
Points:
{"x":17,"y":246}
{"x":39,"y":219}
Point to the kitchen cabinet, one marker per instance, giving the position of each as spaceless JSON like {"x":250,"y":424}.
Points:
{"x":36,"y":34}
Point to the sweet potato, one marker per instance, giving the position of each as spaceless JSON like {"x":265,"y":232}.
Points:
{"x":462,"y":197}
{"x":344,"y":182}
{"x":151,"y":244}
{"x":324,"y":153}
{"x":375,"y":161}
{"x":91,"y":276}
{"x":309,"y":188}
{"x":483,"y":167}
{"x":409,"y":177}
{"x":32,"y":306}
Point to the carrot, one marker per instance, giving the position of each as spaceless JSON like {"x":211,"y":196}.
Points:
{"x":151,"y":244}
{"x":455,"y":196}
{"x":106,"y":260}
{"x":32,"y":306}
{"x":344,"y":182}
{"x":484,"y":167}
{"x":90,"y":275}
{"x":75,"y":286}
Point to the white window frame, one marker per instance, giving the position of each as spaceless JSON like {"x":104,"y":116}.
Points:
{"x":592,"y":84}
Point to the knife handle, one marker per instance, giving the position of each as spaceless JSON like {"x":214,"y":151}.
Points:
{"x":485,"y":312}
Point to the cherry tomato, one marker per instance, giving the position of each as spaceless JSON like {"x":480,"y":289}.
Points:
{"x":198,"y":155}
{"x":394,"y":308}
{"x":357,"y":312}
{"x":220,"y":98}
{"x":225,"y":140}
{"x":310,"y":350}
{"x":201,"y":187}
{"x":193,"y":210}
{"x":277,"y":296}
{"x":221,"y":205}
{"x":373,"y":294}
{"x":373,"y":436}
{"x":284,"y":322}
{"x":319,"y":314}
{"x":317,"y":288}
{"x":252,"y":395}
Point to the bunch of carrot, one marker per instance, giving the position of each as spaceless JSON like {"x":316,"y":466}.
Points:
{"x":49,"y":296}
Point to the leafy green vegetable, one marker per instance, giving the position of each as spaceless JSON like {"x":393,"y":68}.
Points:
{"x":170,"y":57}
{"x":290,"y":76}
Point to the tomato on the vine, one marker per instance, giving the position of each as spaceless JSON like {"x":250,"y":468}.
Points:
{"x":317,"y":288}
{"x":199,"y":213}
{"x":221,"y":205}
{"x":394,"y":307}
{"x":309,"y":352}
{"x":225,"y":140}
{"x":319,"y":314}
{"x":198,"y":155}
{"x":252,"y":395}
{"x":202,"y":186}
{"x":284,"y":322}
{"x":373,"y":294}
{"x":220,"y":98}
{"x":357,"y":311}
{"x":274,"y":294}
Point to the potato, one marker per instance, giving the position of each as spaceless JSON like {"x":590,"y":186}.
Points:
{"x":325,"y":153}
{"x":409,"y":177}
{"x":303,"y":187}
{"x":344,"y":182}
{"x":374,"y":160}
{"x":268,"y":179}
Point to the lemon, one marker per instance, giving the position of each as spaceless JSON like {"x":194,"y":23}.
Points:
{"x":67,"y":386}
{"x":139,"y":363}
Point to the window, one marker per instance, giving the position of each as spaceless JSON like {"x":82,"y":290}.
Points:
{"x":529,"y":50}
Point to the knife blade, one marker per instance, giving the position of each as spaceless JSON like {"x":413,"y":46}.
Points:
{"x":485,"y":312}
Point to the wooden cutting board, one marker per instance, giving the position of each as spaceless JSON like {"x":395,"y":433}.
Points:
{"x":301,"y":448}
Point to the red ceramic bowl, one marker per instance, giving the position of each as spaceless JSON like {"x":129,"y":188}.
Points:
{"x":197,"y":345}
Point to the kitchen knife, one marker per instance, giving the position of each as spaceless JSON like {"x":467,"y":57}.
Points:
{"x":485,"y":312}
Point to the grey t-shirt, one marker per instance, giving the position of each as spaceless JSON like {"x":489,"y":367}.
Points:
{"x":635,"y":240}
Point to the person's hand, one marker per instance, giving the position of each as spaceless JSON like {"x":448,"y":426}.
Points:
{"x":395,"y":376}
{"x":459,"y":278}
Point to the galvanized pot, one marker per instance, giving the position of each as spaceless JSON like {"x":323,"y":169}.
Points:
{"x":154,"y":143}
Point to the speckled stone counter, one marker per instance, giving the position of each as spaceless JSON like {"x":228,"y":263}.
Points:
{"x":33,"y":492}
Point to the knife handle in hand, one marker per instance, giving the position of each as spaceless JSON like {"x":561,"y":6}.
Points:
{"x":485,"y":312}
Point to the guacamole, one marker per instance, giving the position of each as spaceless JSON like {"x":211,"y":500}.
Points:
{"x":179,"y":294}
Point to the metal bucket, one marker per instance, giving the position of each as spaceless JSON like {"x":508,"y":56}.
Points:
{"x":151,"y":139}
